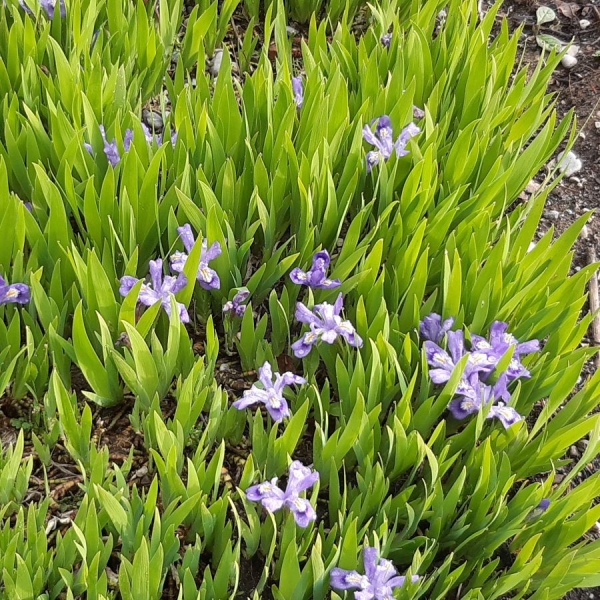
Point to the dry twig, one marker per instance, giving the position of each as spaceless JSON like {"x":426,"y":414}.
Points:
{"x":594,"y":299}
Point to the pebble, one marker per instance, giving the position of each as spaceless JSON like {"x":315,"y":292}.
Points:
{"x":569,"y":164}
{"x":532,"y":245}
{"x":573,"y":50}
{"x":574,"y":452}
{"x":153,"y":120}
{"x":291,"y":30}
{"x":553,"y":214}
{"x":568,"y":61}
{"x":582,"y":445}
{"x":217,"y":60}
{"x":532,"y":187}
{"x":584,"y":23}
{"x":597,"y":124}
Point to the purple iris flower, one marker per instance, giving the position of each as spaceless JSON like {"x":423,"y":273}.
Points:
{"x":500,"y":341}
{"x":49,"y":7}
{"x":158,"y":290}
{"x":539,"y":510}
{"x":127,"y":139}
{"x":147,"y":133}
{"x":378,"y":583}
{"x":433,"y":329}
{"x":206,"y":276}
{"x":386,"y":40}
{"x":18,"y":293}
{"x":383,"y":140}
{"x":473,"y":395}
{"x":298,"y":90}
{"x":418,"y":113}
{"x":235,"y":306}
{"x":273,"y":498}
{"x":111,"y":149}
{"x":507,"y":415}
{"x":444,"y":363}
{"x":325,"y":324}
{"x":272,"y":393}
{"x":317,"y":276}
{"x":157,"y":137}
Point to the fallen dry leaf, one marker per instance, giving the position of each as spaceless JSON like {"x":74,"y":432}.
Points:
{"x":568,"y":9}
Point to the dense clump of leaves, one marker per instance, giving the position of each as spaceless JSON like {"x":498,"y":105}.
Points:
{"x":253,"y":187}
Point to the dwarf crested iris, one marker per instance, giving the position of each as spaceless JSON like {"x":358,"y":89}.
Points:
{"x":111,"y":150}
{"x":444,"y":363}
{"x":325,"y":324}
{"x":49,"y":7}
{"x":206,"y":276}
{"x":474,"y":391}
{"x":158,"y":290}
{"x":271,"y":394}
{"x":17,"y":293}
{"x":383,"y":140}
{"x":507,"y":415}
{"x":433,"y":329}
{"x":298,"y":90}
{"x":499,"y":342}
{"x":273,"y":498}
{"x":418,"y":113}
{"x":317,"y":276}
{"x":472,"y":395}
{"x":386,"y":40}
{"x":235,"y":306}
{"x":378,"y":583}
{"x":157,"y":137}
{"x":539,"y":510}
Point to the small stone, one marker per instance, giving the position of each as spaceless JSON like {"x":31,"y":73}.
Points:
{"x":582,"y":445}
{"x":217,"y":60}
{"x":532,"y":187}
{"x":175,"y":57}
{"x":573,"y":452}
{"x":553,"y":214}
{"x":532,"y":245}
{"x":291,"y":30}
{"x":558,"y":478}
{"x":597,"y":124}
{"x":568,"y":61}
{"x":569,"y":164}
{"x":141,"y":472}
{"x":596,"y":527}
{"x":584,"y":23}
{"x":573,"y":50}
{"x":153,"y":120}
{"x":442,"y":15}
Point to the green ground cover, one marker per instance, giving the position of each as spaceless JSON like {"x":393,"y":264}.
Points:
{"x":342,"y":200}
